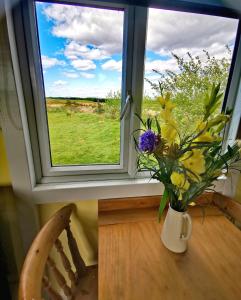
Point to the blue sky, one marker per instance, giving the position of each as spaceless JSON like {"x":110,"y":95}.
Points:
{"x":81,"y":76}
{"x":81,"y":47}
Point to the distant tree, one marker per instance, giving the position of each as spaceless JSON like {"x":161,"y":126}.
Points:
{"x":195,"y":76}
{"x":191,"y":82}
{"x":114,"y":95}
{"x":113,"y":104}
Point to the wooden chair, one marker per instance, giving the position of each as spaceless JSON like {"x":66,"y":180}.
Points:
{"x":34,"y":278}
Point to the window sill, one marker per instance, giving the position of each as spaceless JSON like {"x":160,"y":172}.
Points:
{"x":73,"y":191}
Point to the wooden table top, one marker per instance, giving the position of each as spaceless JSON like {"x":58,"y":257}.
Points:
{"x":134,"y":264}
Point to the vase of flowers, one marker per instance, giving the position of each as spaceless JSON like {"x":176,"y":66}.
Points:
{"x":187,"y":162}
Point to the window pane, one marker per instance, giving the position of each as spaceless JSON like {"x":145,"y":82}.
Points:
{"x":81,"y":55}
{"x":186,"y":53}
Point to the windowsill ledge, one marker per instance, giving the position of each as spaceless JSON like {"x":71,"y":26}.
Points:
{"x":73,"y":191}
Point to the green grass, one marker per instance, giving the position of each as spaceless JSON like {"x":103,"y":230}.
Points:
{"x":83,"y":138}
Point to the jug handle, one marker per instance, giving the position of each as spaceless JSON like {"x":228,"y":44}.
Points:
{"x":187,"y":219}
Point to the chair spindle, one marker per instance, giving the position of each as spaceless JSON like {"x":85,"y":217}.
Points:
{"x":77,"y":259}
{"x":53,"y":295}
{"x":65,"y":262}
{"x":60,"y":278}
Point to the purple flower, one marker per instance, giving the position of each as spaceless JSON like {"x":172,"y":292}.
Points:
{"x":148,"y":141}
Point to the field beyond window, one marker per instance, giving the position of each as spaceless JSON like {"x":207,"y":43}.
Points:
{"x":81,"y":56}
{"x":83,"y":132}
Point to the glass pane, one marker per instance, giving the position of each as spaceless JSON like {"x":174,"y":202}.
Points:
{"x":81,"y":55}
{"x":186,"y":53}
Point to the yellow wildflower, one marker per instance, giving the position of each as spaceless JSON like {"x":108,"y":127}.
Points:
{"x":201,"y":126}
{"x":165,"y":99}
{"x":161,"y":100}
{"x":169,"y":105}
{"x":169,"y":132}
{"x":195,"y":162}
{"x":205,"y":137}
{"x":179,"y":180}
{"x":221,"y":118}
{"x":166,"y":113}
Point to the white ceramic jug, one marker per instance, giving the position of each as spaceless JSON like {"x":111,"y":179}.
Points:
{"x":176,"y":230}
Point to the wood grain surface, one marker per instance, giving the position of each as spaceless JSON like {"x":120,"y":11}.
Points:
{"x":142,"y":202}
{"x":134,"y":264}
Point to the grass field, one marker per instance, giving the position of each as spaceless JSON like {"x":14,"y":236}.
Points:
{"x":83,"y":138}
{"x":85,"y":132}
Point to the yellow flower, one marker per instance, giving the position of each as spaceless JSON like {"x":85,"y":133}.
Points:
{"x":169,"y":105}
{"x":166,"y":113}
{"x":201,"y":126}
{"x":169,"y":132}
{"x":179,"y":180}
{"x":221,"y":118}
{"x":195,"y":162}
{"x":205,"y":137}
{"x":164,"y":100}
{"x":161,"y":100}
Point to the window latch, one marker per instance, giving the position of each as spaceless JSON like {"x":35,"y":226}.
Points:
{"x":127,"y":106}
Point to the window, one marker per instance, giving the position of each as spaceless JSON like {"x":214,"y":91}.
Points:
{"x":81,"y":51}
{"x":185,"y":54}
{"x":84,"y":63}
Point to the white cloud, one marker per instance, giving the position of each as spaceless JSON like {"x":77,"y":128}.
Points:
{"x":160,"y":65}
{"x":49,"y":62}
{"x":167,"y":31}
{"x":83,"y":64}
{"x":112,"y":65}
{"x":87,"y":75}
{"x":83,"y":89}
{"x":101,"y":28}
{"x":59,"y":83}
{"x":179,"y":32}
{"x":74,"y":50}
{"x":70,"y":74}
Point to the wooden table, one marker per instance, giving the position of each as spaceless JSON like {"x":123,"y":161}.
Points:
{"x":134,"y":264}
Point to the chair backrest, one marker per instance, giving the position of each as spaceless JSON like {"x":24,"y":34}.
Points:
{"x":33,"y":278}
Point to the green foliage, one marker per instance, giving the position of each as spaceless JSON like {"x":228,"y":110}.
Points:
{"x":113,"y":104}
{"x":190,"y":86}
{"x":212,"y":102}
{"x":195,"y":76}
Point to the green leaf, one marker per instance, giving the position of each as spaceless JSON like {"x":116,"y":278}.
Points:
{"x":163,"y":203}
{"x":148,"y":123}
{"x":140,"y":119}
{"x":230,"y":151}
{"x":158,"y":126}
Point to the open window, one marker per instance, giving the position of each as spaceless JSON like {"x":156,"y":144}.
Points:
{"x":78,"y":53}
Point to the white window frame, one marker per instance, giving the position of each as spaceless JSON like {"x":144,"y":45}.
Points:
{"x":38,"y":96}
{"x":70,"y":185}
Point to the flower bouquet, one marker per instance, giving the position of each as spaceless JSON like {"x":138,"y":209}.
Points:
{"x":186,"y":163}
